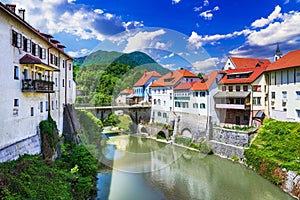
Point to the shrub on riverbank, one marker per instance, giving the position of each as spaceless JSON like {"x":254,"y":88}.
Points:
{"x":30,"y":177}
{"x":276,"y":146}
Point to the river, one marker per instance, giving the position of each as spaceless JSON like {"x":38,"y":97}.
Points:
{"x":140,"y":168}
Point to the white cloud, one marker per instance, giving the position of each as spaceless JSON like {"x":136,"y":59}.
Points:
{"x":205,"y":2}
{"x":197,"y":41}
{"x":79,"y":53}
{"x":216,"y":8}
{"x":77,"y":19}
{"x":175,"y":1}
{"x":196,"y":9}
{"x":287,"y":30}
{"x":263,"y":21}
{"x":287,"y":1}
{"x":205,"y":66}
{"x":160,"y":45}
{"x":99,"y":11}
{"x":142,"y":40}
{"x":206,"y":14}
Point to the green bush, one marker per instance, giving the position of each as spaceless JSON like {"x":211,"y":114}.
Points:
{"x":276,"y":146}
{"x":184,"y":141}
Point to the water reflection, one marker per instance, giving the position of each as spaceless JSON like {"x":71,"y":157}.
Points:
{"x":145,"y":169}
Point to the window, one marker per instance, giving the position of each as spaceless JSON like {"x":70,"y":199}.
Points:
{"x":159,"y":102}
{"x":202,"y":94}
{"x":202,"y":105}
{"x":170,"y":96}
{"x":16,"y":73}
{"x":164,"y":115}
{"x":230,"y":88}
{"x":281,"y":77}
{"x":52,"y":105}
{"x":159,"y":114}
{"x":31,"y":111}
{"x":55,"y":60}
{"x":164,"y":103}
{"x":47,"y":106}
{"x":284,"y":95}
{"x":41,"y":106}
{"x":298,"y":114}
{"x":70,"y":83}
{"x":195,"y":94}
{"x":245,"y":88}
{"x":16,"y":39}
{"x":33,"y":49}
{"x":16,"y":102}
{"x":25,"y":44}
{"x":298,"y":95}
{"x":28,"y":46}
{"x":56,"y":81}
{"x":223,"y":88}
{"x":56,"y":102}
{"x":42,"y":53}
{"x":295,"y":78}
{"x":63,"y":62}
{"x":70,"y":67}
{"x":275,"y":83}
{"x":237,"y":88}
{"x":51,"y":58}
{"x":63,"y":83}
{"x":246,"y":118}
{"x":256,"y":100}
{"x":256,"y":88}
{"x":154,"y":101}
{"x":273,"y":95}
{"x":195,"y":105}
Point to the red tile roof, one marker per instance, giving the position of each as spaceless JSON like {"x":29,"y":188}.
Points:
{"x":127,"y":91}
{"x":254,"y":74}
{"x":184,"y":86}
{"x":172,"y":78}
{"x":146,"y":77}
{"x":291,"y":59}
{"x":206,"y":82}
{"x":249,"y":62}
{"x":29,"y":59}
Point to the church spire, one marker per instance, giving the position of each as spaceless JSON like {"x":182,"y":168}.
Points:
{"x":278,"y":53}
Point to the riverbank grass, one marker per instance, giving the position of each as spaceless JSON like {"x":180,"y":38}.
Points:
{"x":276,"y":146}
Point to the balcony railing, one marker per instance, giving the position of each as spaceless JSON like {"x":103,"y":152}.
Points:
{"x":182,"y":98}
{"x":43,"y":86}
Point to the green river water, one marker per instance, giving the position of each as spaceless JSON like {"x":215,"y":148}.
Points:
{"x":143,"y":169}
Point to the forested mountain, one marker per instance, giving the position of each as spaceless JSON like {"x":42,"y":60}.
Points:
{"x":102,"y":75}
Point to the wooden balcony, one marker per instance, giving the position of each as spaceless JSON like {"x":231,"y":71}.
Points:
{"x":41,"y":86}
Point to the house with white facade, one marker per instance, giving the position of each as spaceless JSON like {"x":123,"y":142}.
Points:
{"x":242,"y":95}
{"x":141,"y":88}
{"x":284,"y":87}
{"x":162,"y":92}
{"x":125,"y":97}
{"x":36,"y":78}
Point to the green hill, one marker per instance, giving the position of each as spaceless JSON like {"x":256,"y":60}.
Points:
{"x":102,"y":74}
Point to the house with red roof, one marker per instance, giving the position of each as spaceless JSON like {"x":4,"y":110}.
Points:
{"x":241,"y":99}
{"x":284,"y":86}
{"x":162,"y":92}
{"x":36,"y":79}
{"x":141,"y":88}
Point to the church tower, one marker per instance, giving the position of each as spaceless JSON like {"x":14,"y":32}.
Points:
{"x":277,"y":54}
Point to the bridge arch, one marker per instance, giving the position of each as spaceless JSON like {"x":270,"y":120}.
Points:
{"x":162,"y":134}
{"x":186,"y":132}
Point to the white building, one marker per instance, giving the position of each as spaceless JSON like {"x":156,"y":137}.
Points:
{"x":162,"y":92}
{"x":284,"y":87}
{"x":36,"y":75}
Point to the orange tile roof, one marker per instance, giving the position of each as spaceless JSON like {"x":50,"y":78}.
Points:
{"x":206,"y":82}
{"x":146,"y":77}
{"x":184,"y":85}
{"x":172,"y":78}
{"x":249,"y":62}
{"x":255,"y":73}
{"x":291,"y":59}
{"x":127,"y":91}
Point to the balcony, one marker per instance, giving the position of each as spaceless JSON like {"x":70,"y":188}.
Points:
{"x":231,"y":106}
{"x":182,"y":98}
{"x":42,"y":86}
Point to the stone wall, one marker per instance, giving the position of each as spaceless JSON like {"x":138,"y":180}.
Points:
{"x":229,"y":143}
{"x":227,"y":150}
{"x":31,"y":146}
{"x":233,"y":137}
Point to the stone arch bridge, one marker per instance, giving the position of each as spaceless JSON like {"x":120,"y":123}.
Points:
{"x":137,"y":113}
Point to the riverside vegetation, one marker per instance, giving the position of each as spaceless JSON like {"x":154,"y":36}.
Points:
{"x":70,"y":176}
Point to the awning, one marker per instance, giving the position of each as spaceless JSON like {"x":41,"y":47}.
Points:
{"x":260,"y":114}
{"x":222,"y":95}
{"x":31,"y":60}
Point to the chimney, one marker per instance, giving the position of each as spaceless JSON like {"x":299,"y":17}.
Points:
{"x":22,"y":13}
{"x":11,"y":7}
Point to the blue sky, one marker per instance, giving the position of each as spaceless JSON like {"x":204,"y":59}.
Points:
{"x":197,"y":34}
